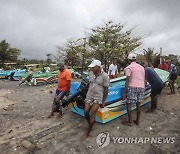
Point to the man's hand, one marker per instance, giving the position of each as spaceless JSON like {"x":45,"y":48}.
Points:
{"x":123,"y":96}
{"x":67,"y":94}
{"x":102,"y":105}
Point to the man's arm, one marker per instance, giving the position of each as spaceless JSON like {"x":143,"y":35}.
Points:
{"x":68,"y":78}
{"x":110,"y":72}
{"x":126,"y":87}
{"x":128,"y":74}
{"x":68,"y":87}
{"x":146,"y":77}
{"x":105,"y":90}
{"x":105,"y":93}
{"x":116,"y":73}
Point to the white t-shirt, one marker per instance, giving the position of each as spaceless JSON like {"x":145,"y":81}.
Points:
{"x":48,"y":69}
{"x":113,"y":69}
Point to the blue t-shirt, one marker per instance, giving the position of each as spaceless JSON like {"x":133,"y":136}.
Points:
{"x":153,"y":78}
{"x":172,"y":69}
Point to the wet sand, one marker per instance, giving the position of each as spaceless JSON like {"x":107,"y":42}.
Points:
{"x":24,"y":127}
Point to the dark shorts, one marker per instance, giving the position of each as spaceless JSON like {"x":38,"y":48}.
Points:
{"x":173,"y":76}
{"x":156,"y":91}
{"x":60,"y":94}
{"x":135,"y":94}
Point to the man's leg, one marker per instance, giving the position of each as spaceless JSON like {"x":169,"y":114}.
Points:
{"x":86,"y":111}
{"x":59,"y":95}
{"x":129,"y":122}
{"x":94,"y":110}
{"x":53,"y":107}
{"x":138,"y":113}
{"x":59,"y":98}
{"x":170,"y":85}
{"x":173,"y":88}
{"x":155,"y":102}
{"x":22,"y":81}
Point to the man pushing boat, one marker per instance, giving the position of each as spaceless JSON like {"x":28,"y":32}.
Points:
{"x":63,"y":87}
{"x":134,"y":87}
{"x":96,"y":95}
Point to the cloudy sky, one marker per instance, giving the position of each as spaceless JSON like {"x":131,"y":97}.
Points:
{"x":38,"y":26}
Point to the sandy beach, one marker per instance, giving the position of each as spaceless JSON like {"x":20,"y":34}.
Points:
{"x":24,"y":127}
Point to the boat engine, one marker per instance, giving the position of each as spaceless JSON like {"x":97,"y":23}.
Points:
{"x":79,"y":96}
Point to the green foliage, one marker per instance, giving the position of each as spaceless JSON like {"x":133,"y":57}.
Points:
{"x":8,"y":54}
{"x":177,"y":81}
{"x":109,"y":41}
{"x":104,"y":43}
{"x":70,"y":53}
{"x":49,"y":58}
{"x":151,"y":58}
{"x":174,"y":59}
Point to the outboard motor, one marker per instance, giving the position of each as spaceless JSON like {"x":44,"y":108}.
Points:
{"x":79,"y":96}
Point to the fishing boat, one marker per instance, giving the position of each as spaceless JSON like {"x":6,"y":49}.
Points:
{"x":40,"y":78}
{"x":16,"y":75}
{"x":12,"y":74}
{"x":114,"y":105}
{"x":5,"y":74}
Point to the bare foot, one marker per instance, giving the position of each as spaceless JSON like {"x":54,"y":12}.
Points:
{"x":102,"y":105}
{"x":137,"y":123}
{"x":170,"y":93}
{"x":150,"y":111}
{"x":85,"y":136}
{"x":127,"y":123}
{"x":51,"y":115}
{"x":60,"y":114}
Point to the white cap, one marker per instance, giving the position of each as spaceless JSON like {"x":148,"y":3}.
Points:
{"x":132,"y":56}
{"x":95,"y":63}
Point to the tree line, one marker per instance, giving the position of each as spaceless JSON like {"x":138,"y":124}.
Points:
{"x":106,"y":42}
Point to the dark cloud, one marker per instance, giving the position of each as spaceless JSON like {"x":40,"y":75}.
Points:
{"x":38,"y":26}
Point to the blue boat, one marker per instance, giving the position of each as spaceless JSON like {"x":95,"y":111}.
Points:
{"x":114,"y":106}
{"x":13,"y":75}
{"x":18,"y":74}
{"x":5,"y":74}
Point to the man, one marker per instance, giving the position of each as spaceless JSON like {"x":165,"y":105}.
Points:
{"x":63,"y":87}
{"x":28,"y":77}
{"x":112,"y":72}
{"x":134,"y":87}
{"x":156,"y":86}
{"x":172,"y":76}
{"x":163,"y":66}
{"x":96,"y":95}
{"x":48,"y":69}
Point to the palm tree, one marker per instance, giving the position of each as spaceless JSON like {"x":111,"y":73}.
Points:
{"x":49,"y":58}
{"x":7,"y":53}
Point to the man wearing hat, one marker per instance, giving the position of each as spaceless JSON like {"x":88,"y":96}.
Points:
{"x":134,"y":87}
{"x":63,"y":87}
{"x":96,"y":95}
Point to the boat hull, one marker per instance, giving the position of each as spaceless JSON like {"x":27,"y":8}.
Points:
{"x":111,"y":111}
{"x":114,"y":106}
